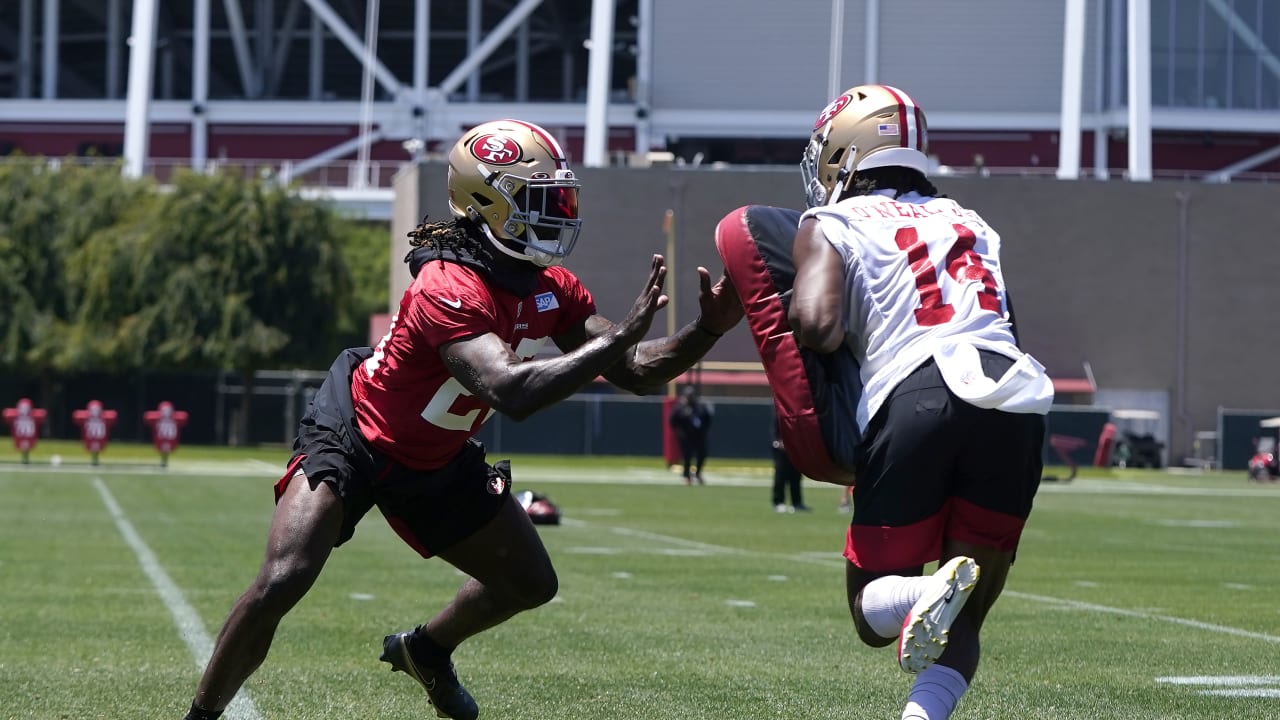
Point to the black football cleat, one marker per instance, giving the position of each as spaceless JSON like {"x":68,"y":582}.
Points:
{"x":444,"y":692}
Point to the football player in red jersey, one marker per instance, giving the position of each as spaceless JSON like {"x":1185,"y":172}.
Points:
{"x":952,"y":411}
{"x":393,"y":426}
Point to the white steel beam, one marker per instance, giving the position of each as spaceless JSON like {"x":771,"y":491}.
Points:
{"x":644,"y":74}
{"x":599,"y":72}
{"x":491,"y":42}
{"x":137,"y":126}
{"x":871,"y":40}
{"x":349,"y":40}
{"x":1226,"y":173}
{"x":289,"y":172}
{"x":366,"y":91}
{"x":835,"y":56}
{"x":240,"y":43}
{"x":421,"y":48}
{"x":1139,"y":90}
{"x":49,"y":61}
{"x":200,"y":85}
{"x":1101,"y":131}
{"x":421,"y":78}
{"x":1072,"y":90}
{"x":709,"y":123}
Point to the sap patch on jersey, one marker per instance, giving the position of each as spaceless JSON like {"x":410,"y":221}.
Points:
{"x":545,"y":301}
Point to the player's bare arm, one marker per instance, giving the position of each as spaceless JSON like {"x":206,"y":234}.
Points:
{"x":655,"y":362}
{"x":489,"y":370}
{"x":817,"y":300}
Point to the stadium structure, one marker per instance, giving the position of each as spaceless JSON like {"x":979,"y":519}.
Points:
{"x":1050,"y":115}
{"x":337,"y":94}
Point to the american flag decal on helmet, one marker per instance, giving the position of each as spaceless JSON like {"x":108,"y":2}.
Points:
{"x":909,"y":117}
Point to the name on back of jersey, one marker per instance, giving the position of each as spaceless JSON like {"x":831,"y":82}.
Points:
{"x":893,"y":210}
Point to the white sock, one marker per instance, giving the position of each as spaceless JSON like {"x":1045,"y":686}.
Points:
{"x":934,"y":694}
{"x":887,"y":600}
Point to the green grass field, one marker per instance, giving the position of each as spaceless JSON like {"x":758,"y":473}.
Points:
{"x":1136,"y":595}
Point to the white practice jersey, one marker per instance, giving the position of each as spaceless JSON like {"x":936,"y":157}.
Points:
{"x":923,"y":280}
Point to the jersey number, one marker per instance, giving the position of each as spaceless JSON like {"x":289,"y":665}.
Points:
{"x":962,"y":263}
{"x":453,"y":408}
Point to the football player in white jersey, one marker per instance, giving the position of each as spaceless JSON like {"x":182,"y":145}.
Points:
{"x":952,"y":413}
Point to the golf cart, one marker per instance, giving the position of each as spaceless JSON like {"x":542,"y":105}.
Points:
{"x":1135,"y":443}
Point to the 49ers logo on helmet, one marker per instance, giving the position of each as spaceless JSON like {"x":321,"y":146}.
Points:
{"x":496,"y":150}
{"x":831,"y":110}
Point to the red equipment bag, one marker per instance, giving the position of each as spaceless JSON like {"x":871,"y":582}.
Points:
{"x":815,"y":395}
{"x":539,"y":507}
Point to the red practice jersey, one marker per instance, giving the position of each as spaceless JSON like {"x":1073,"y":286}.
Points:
{"x":407,"y":403}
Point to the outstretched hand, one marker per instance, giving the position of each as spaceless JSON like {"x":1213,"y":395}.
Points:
{"x":719,"y":304}
{"x":636,"y":324}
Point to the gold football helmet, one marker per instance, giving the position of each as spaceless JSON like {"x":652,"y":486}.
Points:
{"x":512,"y":179}
{"x":867,"y":126}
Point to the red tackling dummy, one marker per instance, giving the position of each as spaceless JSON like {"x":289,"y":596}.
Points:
{"x":814,"y":394}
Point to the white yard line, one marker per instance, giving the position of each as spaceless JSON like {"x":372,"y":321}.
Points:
{"x":836,"y":561}
{"x":1077,"y":605}
{"x":210,"y":468}
{"x":190,"y":628}
{"x":269,"y":468}
{"x":581,"y":474}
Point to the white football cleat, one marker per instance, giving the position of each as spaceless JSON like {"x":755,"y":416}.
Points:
{"x":924,"y":632}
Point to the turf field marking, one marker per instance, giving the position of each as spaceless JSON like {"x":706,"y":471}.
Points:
{"x":1077,"y":605}
{"x":836,"y":561}
{"x":1228,"y":680}
{"x":184,"y":616}
{"x":1199,"y":523}
{"x":672,"y":540}
{"x":266,"y":466}
{"x":1238,"y":686}
{"x":591,"y":551}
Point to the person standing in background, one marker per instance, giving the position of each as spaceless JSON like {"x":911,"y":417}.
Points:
{"x":786,"y":477}
{"x":690,"y":420}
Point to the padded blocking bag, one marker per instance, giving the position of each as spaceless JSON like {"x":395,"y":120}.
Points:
{"x":815,"y":395}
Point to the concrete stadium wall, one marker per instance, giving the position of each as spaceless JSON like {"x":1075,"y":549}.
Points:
{"x":716,"y":55}
{"x":1093,"y":270}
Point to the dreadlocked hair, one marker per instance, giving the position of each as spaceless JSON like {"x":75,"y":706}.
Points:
{"x":900,"y":179}
{"x":460,"y":235}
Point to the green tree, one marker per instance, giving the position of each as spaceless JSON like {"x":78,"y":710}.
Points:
{"x":241,"y":274}
{"x":366,"y":252}
{"x":59,"y":237}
